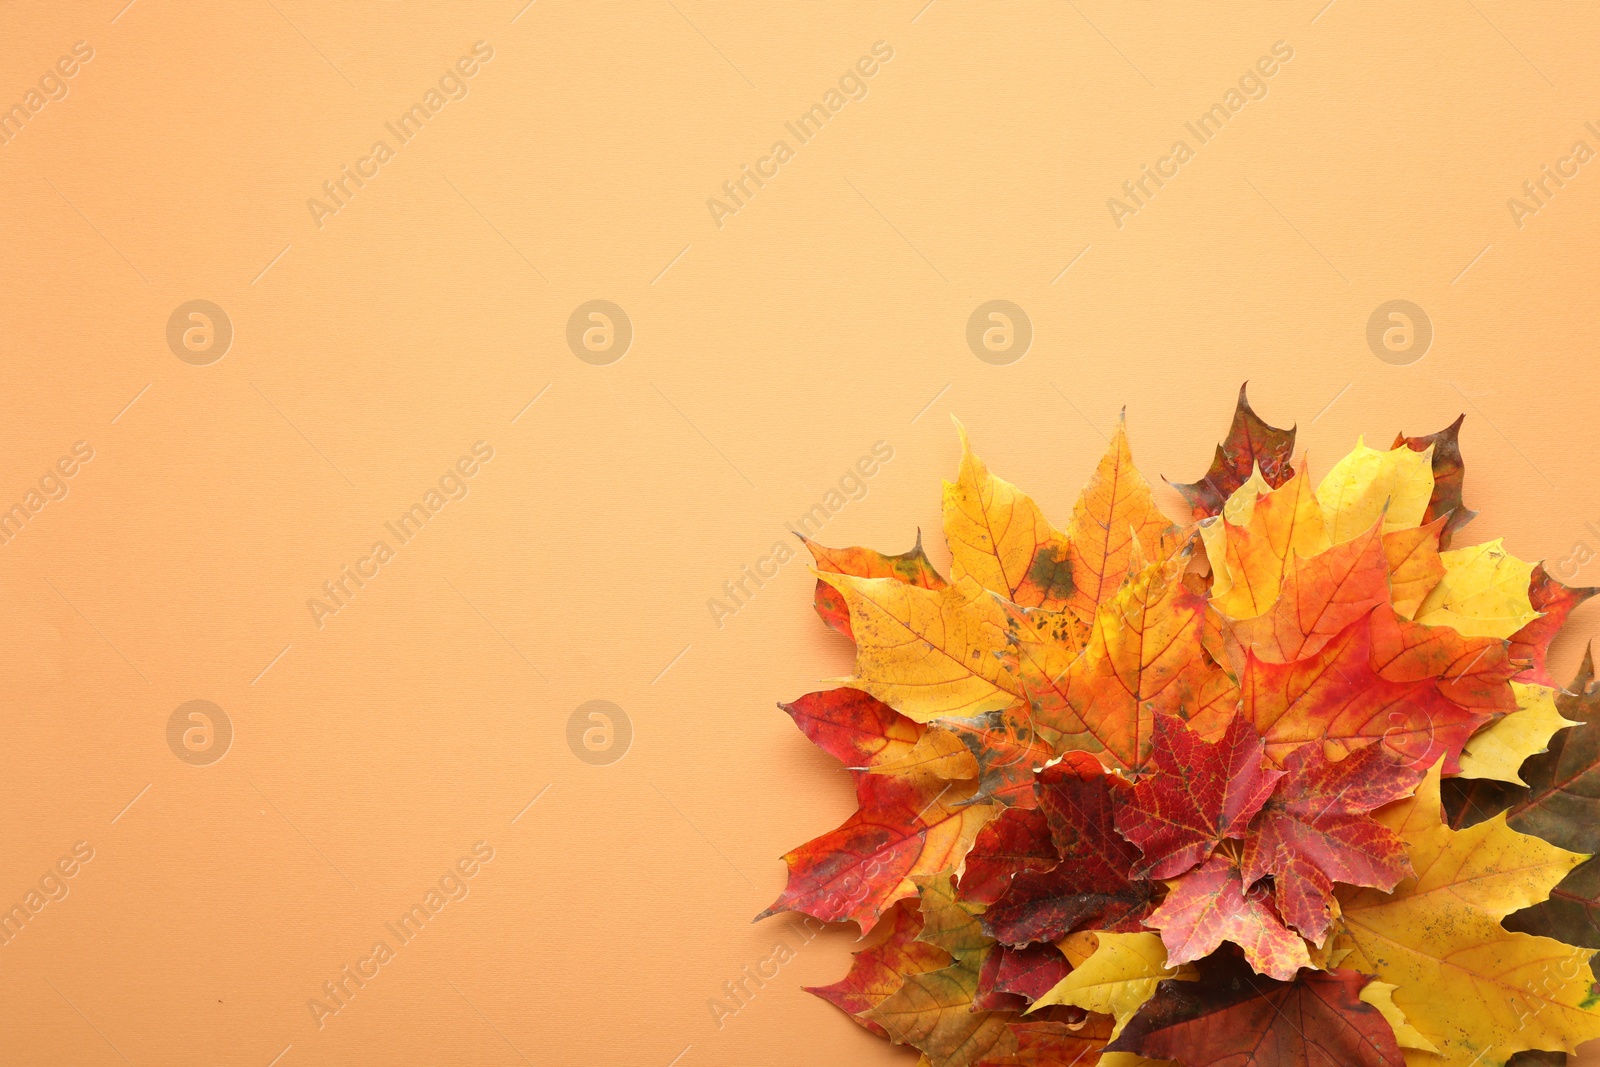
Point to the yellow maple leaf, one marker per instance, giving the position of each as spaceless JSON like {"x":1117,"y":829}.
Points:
{"x":1286,"y":521}
{"x":1367,"y":483}
{"x":1381,"y":996}
{"x":937,"y":752}
{"x":1116,"y":979}
{"x":999,"y":537}
{"x":1238,"y":508}
{"x":927,"y":653}
{"x":1484,"y":592}
{"x":1478,"y":992}
{"x":1143,"y":657}
{"x":1116,"y":512}
{"x":1497,"y":751}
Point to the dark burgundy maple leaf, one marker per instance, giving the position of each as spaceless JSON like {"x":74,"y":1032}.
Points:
{"x":1571,"y":914}
{"x":1079,"y":802}
{"x":1233,"y":1017}
{"x":1013,"y":978}
{"x":1562,"y":801}
{"x":1018,"y":840}
{"x":1200,"y":793}
{"x":1449,"y":473}
{"x":1251,"y":442}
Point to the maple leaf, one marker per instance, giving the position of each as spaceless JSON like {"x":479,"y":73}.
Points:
{"x":1368,"y":485}
{"x":1144,"y":656}
{"x":1232,"y":1018}
{"x":1013,"y":978}
{"x":853,"y":727}
{"x":1018,"y":840}
{"x":905,"y":826}
{"x":928,"y":653}
{"x":1210,"y":905}
{"x":1000,"y":538}
{"x":1474,"y":672}
{"x":1484,"y":592}
{"x":1315,"y":831}
{"x":1115,"y":514}
{"x":1197,"y":794}
{"x":912,"y":568}
{"x":1320,"y":596}
{"x":1449,"y":472}
{"x":879,"y":970}
{"x":1336,"y":696}
{"x":1252,"y":444}
{"x":1466,"y":983}
{"x":1555,"y":602}
{"x":1091,"y":882}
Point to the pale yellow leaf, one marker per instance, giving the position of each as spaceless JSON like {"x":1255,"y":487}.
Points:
{"x":1117,"y":979}
{"x":1366,"y":482}
{"x":1468,"y":985}
{"x":1380,"y":996}
{"x":1497,"y":751}
{"x":927,"y":653}
{"x":1000,"y":538}
{"x":1484,"y":592}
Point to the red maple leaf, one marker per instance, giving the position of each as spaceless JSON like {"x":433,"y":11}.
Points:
{"x":1338,"y":696}
{"x":1211,"y":905}
{"x":1531,"y":644}
{"x":905,"y":826}
{"x":853,"y":727}
{"x":878,"y":971}
{"x":1092,"y":880}
{"x":1474,"y":672}
{"x":1232,"y":1018}
{"x":1013,"y":978}
{"x":1316,"y":830}
{"x":1197,"y":794}
{"x":1017,"y":841}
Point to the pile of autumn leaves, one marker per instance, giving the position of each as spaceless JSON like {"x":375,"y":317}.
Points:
{"x":1287,"y":785}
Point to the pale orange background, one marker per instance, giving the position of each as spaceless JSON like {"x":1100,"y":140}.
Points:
{"x":769,"y":354}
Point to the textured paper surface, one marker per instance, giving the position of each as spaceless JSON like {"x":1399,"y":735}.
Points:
{"x":769,"y":350}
